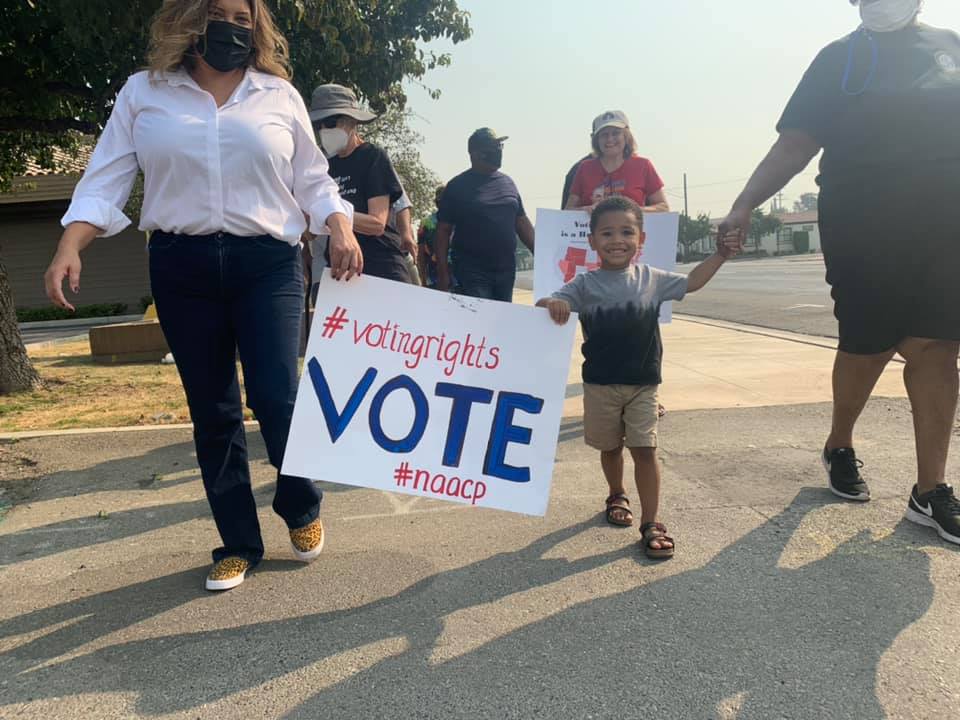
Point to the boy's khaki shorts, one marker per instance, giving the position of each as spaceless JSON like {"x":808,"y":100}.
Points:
{"x":617,"y":415}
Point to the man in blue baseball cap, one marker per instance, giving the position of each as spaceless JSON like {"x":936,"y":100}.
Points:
{"x":482,"y":211}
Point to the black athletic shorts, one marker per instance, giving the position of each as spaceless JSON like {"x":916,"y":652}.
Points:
{"x":892,"y":251}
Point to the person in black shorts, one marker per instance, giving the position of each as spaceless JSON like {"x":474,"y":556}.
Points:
{"x":882,"y":104}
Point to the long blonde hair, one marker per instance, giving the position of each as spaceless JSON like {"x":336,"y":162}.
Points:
{"x":178,"y":25}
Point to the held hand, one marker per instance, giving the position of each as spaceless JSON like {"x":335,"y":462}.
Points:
{"x":737,"y":221}
{"x":730,"y":245}
{"x":65,"y":265}
{"x":559,"y":310}
{"x":346,"y":257}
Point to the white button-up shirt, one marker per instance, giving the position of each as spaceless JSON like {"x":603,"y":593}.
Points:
{"x":251,"y":167}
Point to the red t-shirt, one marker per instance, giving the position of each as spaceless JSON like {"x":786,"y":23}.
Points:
{"x":636,"y":179}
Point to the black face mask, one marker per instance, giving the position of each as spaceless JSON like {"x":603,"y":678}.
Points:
{"x":493,"y":157}
{"x":225,"y":46}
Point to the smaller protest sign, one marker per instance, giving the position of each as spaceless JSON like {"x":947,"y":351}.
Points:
{"x":563,"y":249}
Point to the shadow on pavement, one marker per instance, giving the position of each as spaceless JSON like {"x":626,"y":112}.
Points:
{"x":799,"y":642}
{"x":158,"y":469}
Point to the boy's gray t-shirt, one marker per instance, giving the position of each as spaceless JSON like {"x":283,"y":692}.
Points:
{"x":620,"y":311}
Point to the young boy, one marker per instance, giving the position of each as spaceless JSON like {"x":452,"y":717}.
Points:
{"x":619,"y":307}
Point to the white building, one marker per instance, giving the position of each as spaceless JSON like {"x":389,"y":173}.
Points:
{"x":780,"y":242}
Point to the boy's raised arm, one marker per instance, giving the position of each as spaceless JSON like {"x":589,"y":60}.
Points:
{"x":702,"y":273}
{"x":727,"y":247}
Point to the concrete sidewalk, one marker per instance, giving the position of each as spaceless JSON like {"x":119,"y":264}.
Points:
{"x":781,"y":603}
{"x":711,"y":364}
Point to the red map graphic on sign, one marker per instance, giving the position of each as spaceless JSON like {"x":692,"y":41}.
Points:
{"x":577,"y":258}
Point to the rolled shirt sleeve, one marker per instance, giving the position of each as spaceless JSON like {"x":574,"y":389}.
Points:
{"x":314,"y":190}
{"x":104,"y":189}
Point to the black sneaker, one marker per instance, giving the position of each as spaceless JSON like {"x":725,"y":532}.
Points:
{"x":938,"y":509}
{"x":843,"y":471}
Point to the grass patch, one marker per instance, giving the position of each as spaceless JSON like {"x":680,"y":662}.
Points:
{"x":82,"y":394}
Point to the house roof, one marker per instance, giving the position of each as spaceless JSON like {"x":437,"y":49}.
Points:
{"x":66,"y":163}
{"x":808,"y":217}
{"x":40,"y":184}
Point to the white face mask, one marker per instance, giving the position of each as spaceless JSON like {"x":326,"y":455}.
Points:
{"x":889,"y":15}
{"x":333,"y":140}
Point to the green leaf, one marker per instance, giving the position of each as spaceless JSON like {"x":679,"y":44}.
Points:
{"x":63,"y":61}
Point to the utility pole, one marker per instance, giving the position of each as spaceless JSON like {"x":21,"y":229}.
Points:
{"x":685,"y":208}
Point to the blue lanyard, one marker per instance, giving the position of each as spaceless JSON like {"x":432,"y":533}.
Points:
{"x":874,"y":62}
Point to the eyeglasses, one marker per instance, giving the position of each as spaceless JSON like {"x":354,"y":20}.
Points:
{"x":329,"y":122}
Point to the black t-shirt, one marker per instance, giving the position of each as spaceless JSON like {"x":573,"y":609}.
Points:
{"x":483,"y":210}
{"x":368,"y":173}
{"x":905,"y":117}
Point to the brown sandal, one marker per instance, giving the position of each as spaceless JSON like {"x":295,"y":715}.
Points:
{"x":619,"y":502}
{"x":656,"y":531}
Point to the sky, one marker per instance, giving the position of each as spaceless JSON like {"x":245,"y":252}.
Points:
{"x":703,"y":83}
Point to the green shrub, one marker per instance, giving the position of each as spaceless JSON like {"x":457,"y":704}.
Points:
{"x":84,"y":311}
{"x":145,"y":302}
{"x":801,"y":242}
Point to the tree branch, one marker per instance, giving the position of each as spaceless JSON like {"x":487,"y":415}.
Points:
{"x":59,"y":125}
{"x":64,"y":88}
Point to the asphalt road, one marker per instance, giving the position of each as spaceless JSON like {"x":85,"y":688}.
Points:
{"x":781,"y":603}
{"x":783,"y":293}
{"x":48,"y":332}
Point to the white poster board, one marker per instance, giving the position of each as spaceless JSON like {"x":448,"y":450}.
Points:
{"x":563,"y":250}
{"x":424,"y":393}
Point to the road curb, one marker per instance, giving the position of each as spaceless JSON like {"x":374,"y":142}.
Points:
{"x":821,"y":341}
{"x":781,"y":335}
{"x":27,"y":434}
{"x":829,"y":343}
{"x":58,"y":324}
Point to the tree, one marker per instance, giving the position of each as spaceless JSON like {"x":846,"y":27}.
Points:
{"x":64,"y":61}
{"x":693,"y":231}
{"x":806,"y":203}
{"x":762,"y":225}
{"x":393,"y":133}
{"x":369,"y":45}
{"x":801,"y":241}
{"x":16,"y":372}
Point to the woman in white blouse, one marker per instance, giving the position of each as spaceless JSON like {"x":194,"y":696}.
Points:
{"x":230,"y":167}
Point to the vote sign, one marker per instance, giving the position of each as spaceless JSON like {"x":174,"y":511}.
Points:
{"x":424,"y":393}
